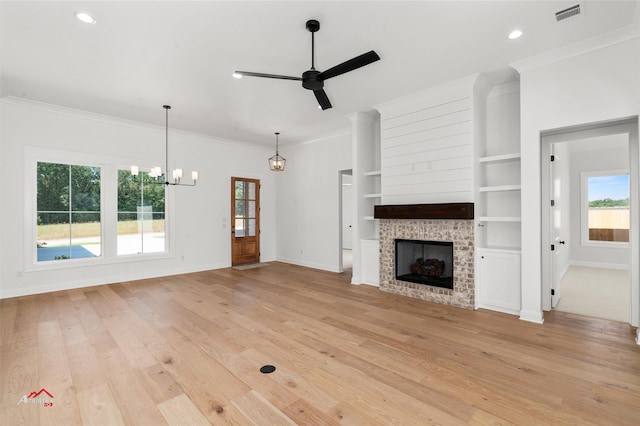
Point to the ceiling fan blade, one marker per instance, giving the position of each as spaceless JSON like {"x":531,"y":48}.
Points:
{"x":350,"y":65}
{"x":322,"y":98}
{"x":258,"y":74}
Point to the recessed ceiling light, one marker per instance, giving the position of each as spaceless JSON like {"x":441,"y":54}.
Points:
{"x":85,"y":17}
{"x":236,"y":75}
{"x":515,"y":34}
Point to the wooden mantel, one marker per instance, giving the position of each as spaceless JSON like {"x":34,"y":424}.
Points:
{"x":424,"y":211}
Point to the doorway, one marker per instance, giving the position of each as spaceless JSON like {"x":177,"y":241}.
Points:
{"x":346,"y":218}
{"x":587,"y":266}
{"x":245,"y":227}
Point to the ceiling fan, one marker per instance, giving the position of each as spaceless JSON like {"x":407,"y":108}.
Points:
{"x":314,"y":79}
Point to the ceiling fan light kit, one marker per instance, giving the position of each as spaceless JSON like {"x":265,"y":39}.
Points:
{"x":313,"y":79}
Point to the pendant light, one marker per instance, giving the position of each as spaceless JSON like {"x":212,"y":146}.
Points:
{"x":156,"y":172}
{"x":277,"y":162}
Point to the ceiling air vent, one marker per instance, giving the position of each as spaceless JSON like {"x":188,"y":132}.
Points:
{"x":568,"y":12}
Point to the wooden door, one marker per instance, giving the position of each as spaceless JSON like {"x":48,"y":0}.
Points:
{"x":245,"y":224}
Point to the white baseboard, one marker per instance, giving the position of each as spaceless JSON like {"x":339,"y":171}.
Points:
{"x":532,"y":316}
{"x":504,"y":310}
{"x":93,"y":281}
{"x":309,"y":264}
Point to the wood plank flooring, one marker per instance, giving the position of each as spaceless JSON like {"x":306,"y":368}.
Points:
{"x":187,"y":349}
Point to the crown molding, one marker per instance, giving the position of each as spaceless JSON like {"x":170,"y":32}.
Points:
{"x":601,"y":41}
{"x":87,"y":115}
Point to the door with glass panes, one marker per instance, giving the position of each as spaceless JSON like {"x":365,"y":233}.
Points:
{"x":245,"y":225}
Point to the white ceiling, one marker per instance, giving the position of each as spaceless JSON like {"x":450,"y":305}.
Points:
{"x":141,"y":55}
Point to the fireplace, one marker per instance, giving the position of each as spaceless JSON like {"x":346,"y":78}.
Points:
{"x":452,"y":223}
{"x":424,"y":262}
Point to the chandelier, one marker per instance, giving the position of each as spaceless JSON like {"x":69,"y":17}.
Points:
{"x":277,"y":162}
{"x":156,"y":172}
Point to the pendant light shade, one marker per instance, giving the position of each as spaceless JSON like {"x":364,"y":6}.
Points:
{"x":277,"y":162}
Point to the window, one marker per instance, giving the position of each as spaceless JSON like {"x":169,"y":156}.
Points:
{"x":605,"y":198}
{"x":141,"y":214}
{"x":68,"y":212}
{"x":245,"y":208}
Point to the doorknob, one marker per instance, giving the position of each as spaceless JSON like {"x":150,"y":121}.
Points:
{"x":561,"y":242}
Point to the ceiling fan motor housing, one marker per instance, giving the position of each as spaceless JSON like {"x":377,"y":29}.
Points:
{"x":313,"y":25}
{"x":311,"y":81}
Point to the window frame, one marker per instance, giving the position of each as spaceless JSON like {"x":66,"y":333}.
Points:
{"x":70,"y":210}
{"x":584,"y":208}
{"x":108,"y":209}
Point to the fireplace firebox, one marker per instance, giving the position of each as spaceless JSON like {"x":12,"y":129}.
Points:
{"x":424,"y":262}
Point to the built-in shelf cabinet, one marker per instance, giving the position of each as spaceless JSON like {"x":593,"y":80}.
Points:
{"x":498,"y":206}
{"x":367,"y":193}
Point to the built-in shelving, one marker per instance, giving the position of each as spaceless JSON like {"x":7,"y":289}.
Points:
{"x":500,"y":158}
{"x":500,"y":249}
{"x":373,"y":173}
{"x":499,"y":219}
{"x":372,"y":195}
{"x":498,"y":188}
{"x":498,"y":203}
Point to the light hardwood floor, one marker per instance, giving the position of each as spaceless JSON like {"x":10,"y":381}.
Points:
{"x":187,"y":350}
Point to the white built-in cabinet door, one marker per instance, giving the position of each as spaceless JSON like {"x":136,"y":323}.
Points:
{"x":499,"y":280}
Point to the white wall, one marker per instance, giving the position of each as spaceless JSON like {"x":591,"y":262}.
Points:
{"x":200,"y":241}
{"x":308,"y":202}
{"x":595,"y":86}
{"x":592,"y":161}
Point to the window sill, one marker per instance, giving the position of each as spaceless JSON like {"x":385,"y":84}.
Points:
{"x":96,"y":261}
{"x":605,"y":244}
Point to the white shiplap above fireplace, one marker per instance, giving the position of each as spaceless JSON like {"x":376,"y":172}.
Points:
{"x":427,"y":142}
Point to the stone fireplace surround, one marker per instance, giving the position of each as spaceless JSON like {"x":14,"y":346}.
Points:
{"x":458,"y":230}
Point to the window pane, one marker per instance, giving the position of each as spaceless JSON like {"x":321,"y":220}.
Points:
{"x":252,"y":209}
{"x":129,"y":191}
{"x":85,"y":235}
{"x":239,"y":231}
{"x":85,"y":188}
{"x":53,"y":187}
{"x":154,"y":240}
{"x":252,"y":191}
{"x":240,"y":212}
{"x":129,"y":237}
{"x":252,"y":227}
{"x":239,"y":190}
{"x":54,"y":236}
{"x":608,"y":217}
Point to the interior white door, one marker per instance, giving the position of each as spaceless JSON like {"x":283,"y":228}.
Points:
{"x":558,"y":244}
{"x":347,"y":202}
